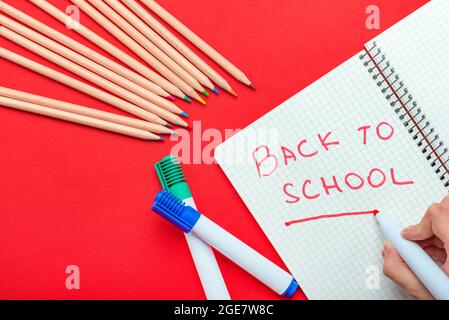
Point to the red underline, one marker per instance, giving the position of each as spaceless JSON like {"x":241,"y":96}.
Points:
{"x":329,"y":216}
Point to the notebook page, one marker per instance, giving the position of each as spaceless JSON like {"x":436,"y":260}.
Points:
{"x":335,"y":258}
{"x":418,"y":49}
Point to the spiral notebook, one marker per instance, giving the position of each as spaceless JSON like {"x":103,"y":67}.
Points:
{"x":367,"y":136}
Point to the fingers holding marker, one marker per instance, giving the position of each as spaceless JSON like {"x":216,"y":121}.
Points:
{"x":422,"y":230}
{"x":435,"y":222}
{"x":396,"y":269}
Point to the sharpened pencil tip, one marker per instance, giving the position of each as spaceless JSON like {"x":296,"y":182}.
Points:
{"x":201,"y":101}
{"x":186,"y":98}
{"x":174,"y":133}
{"x":171,"y":98}
{"x":168,"y":125}
{"x":216,"y":90}
{"x":205,"y":93}
{"x":233,"y":93}
{"x":184,"y":114}
{"x":161,"y":139}
{"x":252,"y":87}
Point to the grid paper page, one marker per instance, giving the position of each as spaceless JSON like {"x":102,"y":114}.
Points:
{"x":336,"y":258}
{"x":418,"y":49}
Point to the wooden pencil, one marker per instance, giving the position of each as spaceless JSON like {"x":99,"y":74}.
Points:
{"x":76,"y":118}
{"x":90,"y":76}
{"x":85,"y":88}
{"x":179,"y":45}
{"x":198,"y":42}
{"x":110,"y":48}
{"x":151,"y":48}
{"x":84,"y":50}
{"x":150,"y":34}
{"x":90,"y":65}
{"x":78,"y":109}
{"x":136,"y":48}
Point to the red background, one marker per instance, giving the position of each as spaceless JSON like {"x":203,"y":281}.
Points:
{"x":75,"y":195}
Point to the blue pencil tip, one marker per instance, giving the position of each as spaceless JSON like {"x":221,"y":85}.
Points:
{"x":184,"y":114}
{"x":216,"y":90}
{"x":161,"y":139}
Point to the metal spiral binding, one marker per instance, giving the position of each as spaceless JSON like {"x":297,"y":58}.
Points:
{"x":408,"y":110}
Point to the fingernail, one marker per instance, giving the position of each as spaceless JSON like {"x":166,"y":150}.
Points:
{"x":406,"y":230}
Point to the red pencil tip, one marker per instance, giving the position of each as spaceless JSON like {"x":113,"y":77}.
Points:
{"x":375,"y":212}
{"x":171,"y":98}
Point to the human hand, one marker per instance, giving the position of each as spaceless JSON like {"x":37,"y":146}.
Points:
{"x":432,"y":234}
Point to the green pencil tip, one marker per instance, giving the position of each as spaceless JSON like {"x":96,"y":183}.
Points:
{"x":186,"y":98}
{"x":205,"y":93}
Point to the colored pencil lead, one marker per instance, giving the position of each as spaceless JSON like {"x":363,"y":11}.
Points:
{"x":216,"y":90}
{"x":186,"y":98}
{"x":205,"y":93}
{"x":201,"y":101}
{"x":185,"y":114}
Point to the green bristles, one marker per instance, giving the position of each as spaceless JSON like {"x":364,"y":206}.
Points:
{"x":169,"y":171}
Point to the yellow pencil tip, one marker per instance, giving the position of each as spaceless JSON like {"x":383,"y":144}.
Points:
{"x":201,"y":100}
